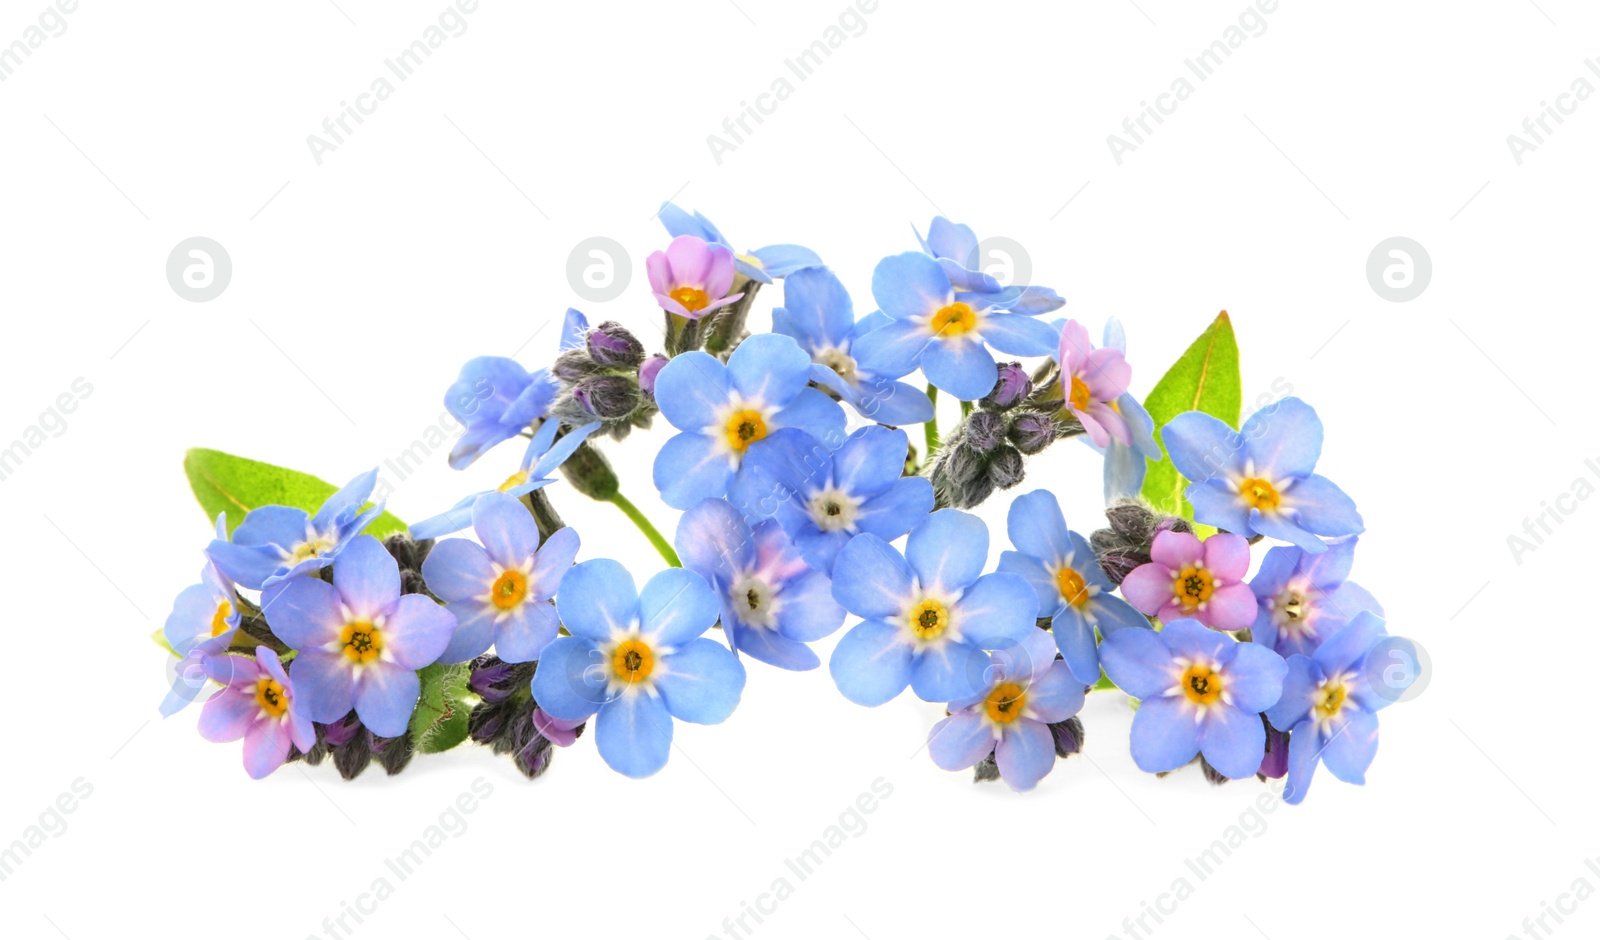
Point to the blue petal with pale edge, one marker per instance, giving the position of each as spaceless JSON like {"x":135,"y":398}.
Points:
{"x":871,"y":578}
{"x":1254,"y":677}
{"x":1036,"y":526}
{"x":1349,"y":752}
{"x":1029,"y":569}
{"x":814,"y":413}
{"x":1164,"y":735}
{"x":571,"y":680}
{"x":700,"y":681}
{"x":898,"y":510}
{"x":1203,"y":447}
{"x":1025,"y":754}
{"x":675,"y":606}
{"x":690,"y":389}
{"x":997,"y":610}
{"x":1305,"y":752}
{"x":688,"y":468}
{"x":948,"y":549}
{"x":1057,"y":695}
{"x":872,"y":663}
{"x":959,"y":741}
{"x":769,"y":368}
{"x":963,"y":368}
{"x":890,"y":402}
{"x":1016,"y":334}
{"x":597,"y":597}
{"x":786,"y":260}
{"x":1138,"y":662}
{"x":1075,"y":638}
{"x":1323,"y":508}
{"x":713,"y":539}
{"x":1284,"y":439}
{"x":634,"y":734}
{"x":1233,"y":740}
{"x":910,"y":285}
{"x":816,"y":308}
{"x":1301,"y":679}
{"x":893,"y":349}
{"x":385,"y":696}
{"x":949,"y":671}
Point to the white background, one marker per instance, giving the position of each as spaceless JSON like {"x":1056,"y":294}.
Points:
{"x":441,"y":229}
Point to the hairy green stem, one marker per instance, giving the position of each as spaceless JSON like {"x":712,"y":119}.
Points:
{"x":930,"y":430}
{"x":643,"y":524}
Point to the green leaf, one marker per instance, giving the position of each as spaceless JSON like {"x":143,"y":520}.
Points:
{"x":236,"y":485}
{"x":1205,"y":378}
{"x":440,"y":721}
{"x":160,"y":638}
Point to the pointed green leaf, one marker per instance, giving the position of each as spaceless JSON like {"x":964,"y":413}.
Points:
{"x":440,"y":721}
{"x":1205,"y":378}
{"x":236,"y":485}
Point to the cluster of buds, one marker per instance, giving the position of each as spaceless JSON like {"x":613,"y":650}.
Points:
{"x":1068,"y":737}
{"x":505,"y":717}
{"x":352,"y":747}
{"x":607,"y":379}
{"x":1125,"y":544}
{"x":1017,"y":419}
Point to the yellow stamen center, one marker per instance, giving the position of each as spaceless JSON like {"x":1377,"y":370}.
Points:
{"x":1201,"y":685}
{"x":514,"y":480}
{"x":1259,"y":494}
{"x":693,"y":299}
{"x":955,"y":320}
{"x":745,"y":427}
{"x":362,"y":641}
{"x":306,"y":551}
{"x":509,"y":589}
{"x":928,"y":619}
{"x":269,"y":695}
{"x":1078,"y":393}
{"x":1005,"y":701}
{"x":1330,"y":700}
{"x":219,"y":620}
{"x":1072,"y":587}
{"x":1192,"y":587}
{"x":632,"y":661}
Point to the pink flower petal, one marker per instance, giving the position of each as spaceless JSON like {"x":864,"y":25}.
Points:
{"x":1176,"y":550}
{"x":1232,"y":607}
{"x":659,"y":272}
{"x":1227,"y":556}
{"x":690,"y":258}
{"x":1107,"y":374}
{"x":1075,"y":348}
{"x":1112,"y":423}
{"x":1148,"y":587}
{"x":719,"y":277}
{"x":1097,"y":432}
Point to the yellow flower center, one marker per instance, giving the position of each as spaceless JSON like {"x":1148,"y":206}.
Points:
{"x":955,"y":320}
{"x":306,"y":551}
{"x":362,"y":641}
{"x":1072,"y":586}
{"x":693,"y":299}
{"x":269,"y":695}
{"x":509,"y":589}
{"x":928,"y":619}
{"x":1201,"y":685}
{"x":1078,"y":393}
{"x":514,"y":480}
{"x":1259,"y":494}
{"x":745,"y":427}
{"x":1192,"y":587}
{"x":219,"y":620}
{"x":1005,"y":701}
{"x":632,"y":661}
{"x":1330,"y":700}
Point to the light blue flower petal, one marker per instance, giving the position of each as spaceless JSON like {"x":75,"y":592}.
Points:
{"x":1277,"y":567}
{"x":1138,"y":662}
{"x":368,"y":578}
{"x":873,"y":579}
{"x":959,"y":741}
{"x":1233,"y":741}
{"x":876,"y":320}
{"x":1030,"y":300}
{"x":890,"y":402}
{"x":773,"y":648}
{"x":1058,"y":694}
{"x":953,"y":240}
{"x":713,"y":539}
{"x":1031,"y":570}
{"x":949,"y":671}
{"x":948,"y":550}
{"x":1216,"y":505}
{"x":1343,"y":603}
{"x":786,"y":261}
{"x":675,"y":606}
{"x":996,"y":610}
{"x":817,"y":308}
{"x":553,"y":563}
{"x":1123,"y":472}
{"x":1305,"y":752}
{"x":1300,"y":682}
{"x":573,"y":326}
{"x":522,"y":636}
{"x":807,"y":610}
{"x":247,"y":565}
{"x":571,"y":680}
{"x":1075,"y":638}
{"x":1112,"y":613}
{"x":892,"y":350}
{"x":898,"y":510}
{"x":1164,"y":735}
{"x":1255,"y":678}
{"x":872,"y":663}
{"x":821,"y":549}
{"x":283,"y":526}
{"x":961,"y":367}
{"x":350,"y":496}
{"x":1036,"y":526}
{"x":1025,"y":754}
{"x":778,"y":472}
{"x":597,"y":598}
{"x":558,"y":452}
{"x":1346,"y":649}
{"x":1141,"y":426}
{"x":323,"y":685}
{"x":506,"y":529}
{"x":690,"y":468}
{"x":700,"y":681}
{"x":1192,"y":639}
{"x":1323,"y":508}
{"x":814,"y":413}
{"x":677,"y":222}
{"x":690,"y":390}
{"x":1349,"y":751}
{"x":1284,"y":439}
{"x":457,"y":569}
{"x":474,"y":631}
{"x":870,"y":460}
{"x":768,"y":368}
{"x":634,"y":734}
{"x":1087,"y":563}
{"x":305,"y":613}
{"x":385,"y":696}
{"x":1203,"y":448}
{"x":1328,"y":569}
{"x":910,"y":285}
{"x":1278,"y":526}
{"x":1017,"y":335}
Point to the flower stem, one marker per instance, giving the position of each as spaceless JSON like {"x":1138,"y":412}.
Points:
{"x":930,"y":430}
{"x":650,"y":531}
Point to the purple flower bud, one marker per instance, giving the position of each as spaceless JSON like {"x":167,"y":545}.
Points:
{"x":1032,"y":432}
{"x":1068,"y":736}
{"x":1275,"y":763}
{"x":607,"y":397}
{"x":611,"y":346}
{"x":984,"y":431}
{"x":572,"y":365}
{"x":647,"y":374}
{"x":1005,"y":469}
{"x":489,"y":681}
{"x":1012,"y":386}
{"x":344,"y":730}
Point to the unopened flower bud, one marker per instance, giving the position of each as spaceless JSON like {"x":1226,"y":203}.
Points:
{"x":984,"y":430}
{"x":1275,"y":762}
{"x":607,"y":397}
{"x":1010,"y":388}
{"x":1005,"y":468}
{"x":986,"y":770}
{"x":1068,"y":736}
{"x":648,"y":372}
{"x":1031,"y":432}
{"x":572,"y":365}
{"x":612,"y":346}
